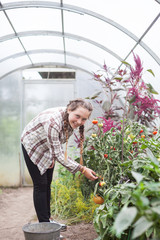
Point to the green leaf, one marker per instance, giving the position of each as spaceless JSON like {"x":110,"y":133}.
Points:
{"x":103,"y":219}
{"x":150,"y":70}
{"x":106,"y":105}
{"x":96,"y":188}
{"x":155,"y":202}
{"x":93,"y":96}
{"x":124,"y":219}
{"x":151,"y":89}
{"x":132,"y":99}
{"x":118,"y":78}
{"x":140,"y":227}
{"x":156,"y":209}
{"x":143,"y":146}
{"x":96,"y":219}
{"x":137,"y":176}
{"x":144,"y":200}
{"x":126,"y":63}
{"x":152,"y":157}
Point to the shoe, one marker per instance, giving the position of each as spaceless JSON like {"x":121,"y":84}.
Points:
{"x":62,"y":238}
{"x":63,"y":226}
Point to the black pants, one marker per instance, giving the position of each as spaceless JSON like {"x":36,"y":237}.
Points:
{"x":41,"y":188}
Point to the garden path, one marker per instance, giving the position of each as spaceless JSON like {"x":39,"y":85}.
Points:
{"x":16,"y":209}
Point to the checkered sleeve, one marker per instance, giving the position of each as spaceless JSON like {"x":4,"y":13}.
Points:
{"x":56,"y":149}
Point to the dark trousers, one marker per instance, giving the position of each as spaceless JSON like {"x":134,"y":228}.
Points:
{"x":41,"y":188}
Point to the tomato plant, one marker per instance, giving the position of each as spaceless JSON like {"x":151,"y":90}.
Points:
{"x":125,"y":153}
{"x":124,"y":179}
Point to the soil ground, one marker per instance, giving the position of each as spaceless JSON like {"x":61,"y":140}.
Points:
{"x":16,"y":210}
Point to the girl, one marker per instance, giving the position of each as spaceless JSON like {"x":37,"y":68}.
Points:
{"x":42,"y":141}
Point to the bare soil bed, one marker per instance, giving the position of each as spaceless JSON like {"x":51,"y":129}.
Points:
{"x":16,"y":210}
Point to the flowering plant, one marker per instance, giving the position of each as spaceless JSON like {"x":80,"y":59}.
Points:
{"x":123,"y":150}
{"x":139,"y":103}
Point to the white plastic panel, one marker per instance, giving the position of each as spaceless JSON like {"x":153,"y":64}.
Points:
{"x":152,"y":38}
{"x":92,"y":52}
{"x":4,"y":26}
{"x":35,"y":19}
{"x":42,"y":42}
{"x":10,"y":47}
{"x":134,"y":15}
{"x":50,"y":58}
{"x":12,"y":64}
{"x":11,"y":1}
{"x":98,"y":31}
{"x":81,"y":63}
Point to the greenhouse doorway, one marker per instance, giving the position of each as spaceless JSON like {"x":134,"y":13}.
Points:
{"x":42,"y":89}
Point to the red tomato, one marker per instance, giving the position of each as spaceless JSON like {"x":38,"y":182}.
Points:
{"x":155,"y":132}
{"x":98,"y":199}
{"x":135,"y":142}
{"x":101,"y":184}
{"x":105,"y":155}
{"x":95,"y":121}
{"x":141,"y":131}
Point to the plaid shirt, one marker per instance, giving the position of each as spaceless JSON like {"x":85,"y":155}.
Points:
{"x":43,"y":138}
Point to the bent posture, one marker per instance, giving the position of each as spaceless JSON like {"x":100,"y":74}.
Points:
{"x":42,"y":141}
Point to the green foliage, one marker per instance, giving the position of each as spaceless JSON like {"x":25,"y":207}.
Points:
{"x":111,"y":158}
{"x":131,"y":171}
{"x":67,"y":201}
{"x":9,"y":135}
{"x":125,"y":154}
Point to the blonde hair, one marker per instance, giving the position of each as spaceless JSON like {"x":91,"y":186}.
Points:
{"x":72,"y":106}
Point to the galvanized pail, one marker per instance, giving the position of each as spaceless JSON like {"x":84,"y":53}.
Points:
{"x":42,"y":231}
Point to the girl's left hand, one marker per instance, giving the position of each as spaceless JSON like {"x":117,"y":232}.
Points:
{"x":52,"y":165}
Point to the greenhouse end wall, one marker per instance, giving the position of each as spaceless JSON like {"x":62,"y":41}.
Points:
{"x":10,"y":108}
{"x":13,"y":172}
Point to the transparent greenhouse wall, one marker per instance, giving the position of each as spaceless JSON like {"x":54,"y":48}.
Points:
{"x":39,"y":95}
{"x":19,"y":102}
{"x":10,"y":107}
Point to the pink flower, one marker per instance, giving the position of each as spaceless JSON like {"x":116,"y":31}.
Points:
{"x":105,"y":67}
{"x":122,"y":72}
{"x":77,"y":140}
{"x":137,"y":72}
{"x":108,"y":124}
{"x":97,"y":76}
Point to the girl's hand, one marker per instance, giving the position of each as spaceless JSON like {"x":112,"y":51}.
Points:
{"x":90,"y":174}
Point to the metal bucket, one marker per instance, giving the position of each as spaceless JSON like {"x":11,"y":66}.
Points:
{"x":42,"y":231}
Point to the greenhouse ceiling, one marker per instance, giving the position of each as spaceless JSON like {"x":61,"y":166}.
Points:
{"x":78,"y":34}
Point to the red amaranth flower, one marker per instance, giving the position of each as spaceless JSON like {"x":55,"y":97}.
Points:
{"x":77,"y":140}
{"x":136,"y":73}
{"x":108,"y":124}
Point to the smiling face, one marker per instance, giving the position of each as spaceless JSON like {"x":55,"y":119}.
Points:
{"x":78,"y":117}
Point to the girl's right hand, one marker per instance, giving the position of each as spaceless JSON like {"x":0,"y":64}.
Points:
{"x":90,"y":174}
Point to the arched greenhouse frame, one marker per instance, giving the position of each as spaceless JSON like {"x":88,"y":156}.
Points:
{"x":54,"y":51}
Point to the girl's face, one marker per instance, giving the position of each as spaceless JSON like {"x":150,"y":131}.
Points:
{"x":78,"y":117}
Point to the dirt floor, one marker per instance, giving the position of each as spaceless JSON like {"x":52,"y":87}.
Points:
{"x":16,"y":210}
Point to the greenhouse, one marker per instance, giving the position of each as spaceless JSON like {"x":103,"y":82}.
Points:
{"x":108,"y":53}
